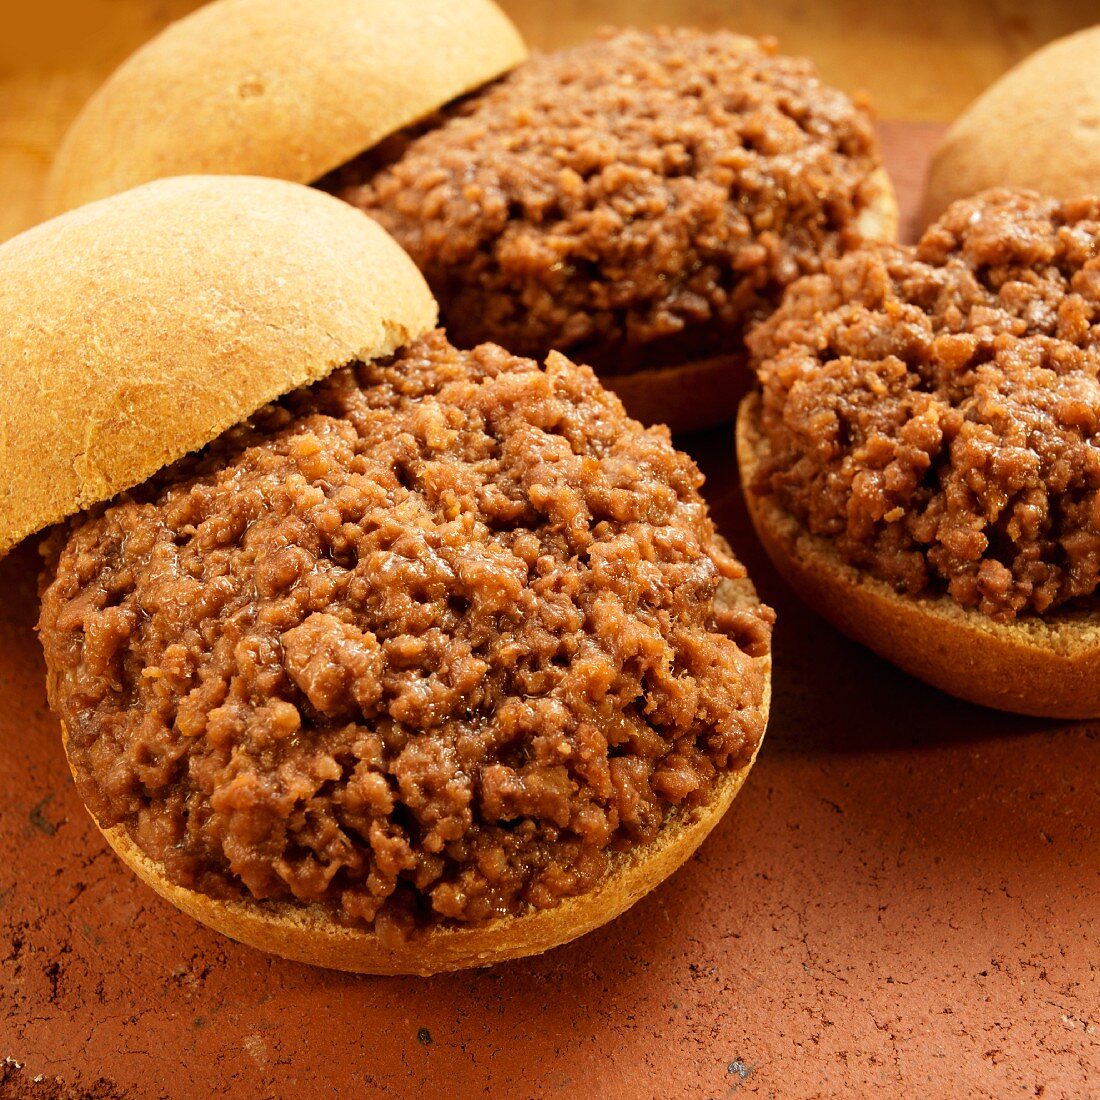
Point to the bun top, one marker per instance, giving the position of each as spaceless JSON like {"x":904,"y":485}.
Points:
{"x":137,"y":329}
{"x":284,"y":88}
{"x":1037,"y":127}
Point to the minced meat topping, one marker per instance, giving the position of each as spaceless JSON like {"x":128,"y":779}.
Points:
{"x":427,"y":641}
{"x":935,"y":411}
{"x":634,"y":200}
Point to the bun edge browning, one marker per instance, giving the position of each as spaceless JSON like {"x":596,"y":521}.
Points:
{"x":1042,"y":667}
{"x":306,"y":934}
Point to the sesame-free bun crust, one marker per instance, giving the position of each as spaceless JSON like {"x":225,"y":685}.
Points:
{"x":284,"y":88}
{"x":137,"y":329}
{"x":704,"y":392}
{"x":307,"y":934}
{"x":1038,"y":126}
{"x":1049,"y":667}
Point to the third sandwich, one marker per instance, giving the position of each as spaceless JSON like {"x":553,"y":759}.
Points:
{"x":638,"y":200}
{"x":922,"y":460}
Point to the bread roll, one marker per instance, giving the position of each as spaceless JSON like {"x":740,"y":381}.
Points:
{"x":283,"y":88}
{"x":307,"y":934}
{"x":137,"y":329}
{"x":1047,"y":666}
{"x":1036,"y":127}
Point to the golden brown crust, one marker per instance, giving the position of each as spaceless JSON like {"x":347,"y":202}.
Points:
{"x":705,"y":392}
{"x":1047,"y":667}
{"x":306,"y":934}
{"x":137,"y":329}
{"x":1038,"y":126}
{"x":282,"y":88}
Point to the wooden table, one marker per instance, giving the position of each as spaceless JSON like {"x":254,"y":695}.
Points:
{"x":903,"y":900}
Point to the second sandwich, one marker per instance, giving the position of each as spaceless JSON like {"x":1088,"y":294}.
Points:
{"x":637,"y":201}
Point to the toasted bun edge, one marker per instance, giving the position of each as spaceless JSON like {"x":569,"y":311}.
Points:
{"x":306,"y":933}
{"x":1044,"y":667}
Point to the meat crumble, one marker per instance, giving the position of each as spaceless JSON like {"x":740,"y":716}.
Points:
{"x":635,"y":200}
{"x":935,"y":410}
{"x":426,"y":642}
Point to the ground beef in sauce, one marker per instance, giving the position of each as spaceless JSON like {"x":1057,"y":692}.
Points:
{"x":634,"y":200}
{"x":426,"y":642}
{"x":935,"y":410}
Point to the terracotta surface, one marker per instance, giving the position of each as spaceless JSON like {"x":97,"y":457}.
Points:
{"x":903,"y":900}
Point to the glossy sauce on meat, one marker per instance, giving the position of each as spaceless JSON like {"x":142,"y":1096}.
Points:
{"x":427,"y":641}
{"x":936,"y":411}
{"x":634,"y":200}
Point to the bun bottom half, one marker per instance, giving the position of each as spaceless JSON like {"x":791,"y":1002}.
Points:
{"x":307,"y":934}
{"x":1047,"y":667}
{"x":687,"y":397}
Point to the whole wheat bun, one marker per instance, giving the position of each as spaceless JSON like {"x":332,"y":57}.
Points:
{"x":1038,"y":126}
{"x":307,"y":934}
{"x":137,"y":329}
{"x":704,"y":392}
{"x":1049,"y":667}
{"x":284,"y":88}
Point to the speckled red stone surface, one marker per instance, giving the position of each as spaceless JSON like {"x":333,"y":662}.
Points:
{"x":904,"y":901}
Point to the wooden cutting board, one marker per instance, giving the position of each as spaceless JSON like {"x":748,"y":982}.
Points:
{"x":903,"y":901}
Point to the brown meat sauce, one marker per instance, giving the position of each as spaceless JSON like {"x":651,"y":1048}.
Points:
{"x":935,"y":411}
{"x":634,"y":200}
{"x":426,"y":642}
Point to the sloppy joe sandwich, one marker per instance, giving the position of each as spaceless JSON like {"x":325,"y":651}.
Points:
{"x":636,"y":201}
{"x":369,"y":651}
{"x":922,"y":459}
